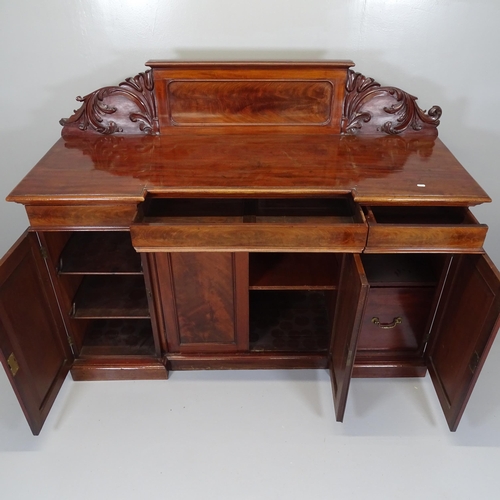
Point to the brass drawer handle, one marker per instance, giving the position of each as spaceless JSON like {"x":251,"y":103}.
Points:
{"x":387,"y":326}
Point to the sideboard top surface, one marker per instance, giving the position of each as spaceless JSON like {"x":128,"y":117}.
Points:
{"x":376,"y":170}
{"x":266,"y":128}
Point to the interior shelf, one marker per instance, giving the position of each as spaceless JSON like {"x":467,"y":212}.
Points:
{"x":289,"y":321}
{"x":293,"y":271}
{"x":118,"y":337}
{"x":111,"y":297}
{"x":402,"y":269}
{"x":98,"y":252}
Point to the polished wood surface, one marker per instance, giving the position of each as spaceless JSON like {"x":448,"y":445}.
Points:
{"x":376,"y":170}
{"x":248,"y":215}
{"x":203,"y":299}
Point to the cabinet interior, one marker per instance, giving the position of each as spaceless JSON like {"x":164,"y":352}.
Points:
{"x":403,"y":293}
{"x":292,"y":295}
{"x":101,"y":283}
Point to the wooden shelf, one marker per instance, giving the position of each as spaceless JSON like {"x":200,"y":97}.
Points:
{"x":293,"y":271}
{"x":402,"y":269}
{"x":118,"y":337}
{"x":289,"y":321}
{"x":97,"y":252}
{"x":111,"y":297}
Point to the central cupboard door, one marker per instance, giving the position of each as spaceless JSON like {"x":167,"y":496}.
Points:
{"x":205,"y":300}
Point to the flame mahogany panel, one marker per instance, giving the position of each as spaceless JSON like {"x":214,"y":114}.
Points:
{"x":256,"y":95}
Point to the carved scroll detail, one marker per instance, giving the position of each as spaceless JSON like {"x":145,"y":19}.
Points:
{"x":131,"y":103}
{"x":367,"y":102}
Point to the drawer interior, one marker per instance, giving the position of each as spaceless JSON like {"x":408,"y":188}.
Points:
{"x":420,"y":215}
{"x":338,"y":209}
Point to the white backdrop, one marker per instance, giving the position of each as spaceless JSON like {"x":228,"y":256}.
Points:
{"x":443,"y":51}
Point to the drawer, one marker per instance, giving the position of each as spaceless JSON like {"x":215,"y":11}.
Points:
{"x":432,"y":229}
{"x":396,"y":318}
{"x":332,"y":224}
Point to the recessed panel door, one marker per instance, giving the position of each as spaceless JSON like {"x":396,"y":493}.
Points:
{"x":352,"y":294}
{"x":205,"y":300}
{"x":466,"y":323}
{"x":33,"y":344}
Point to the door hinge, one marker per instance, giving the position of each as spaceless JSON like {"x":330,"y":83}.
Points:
{"x":71,"y":343}
{"x":427,"y":337}
{"x":13,"y":364}
{"x":349,"y":357}
{"x":44,"y":253}
{"x":474,"y":362}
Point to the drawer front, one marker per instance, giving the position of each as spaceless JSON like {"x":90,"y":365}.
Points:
{"x":421,"y":229}
{"x":395,"y":319}
{"x":248,"y":237}
{"x":322,"y":224}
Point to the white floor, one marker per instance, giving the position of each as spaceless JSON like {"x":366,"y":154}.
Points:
{"x":252,"y":435}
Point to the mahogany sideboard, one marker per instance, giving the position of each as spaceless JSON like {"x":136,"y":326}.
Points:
{"x":248,"y":215}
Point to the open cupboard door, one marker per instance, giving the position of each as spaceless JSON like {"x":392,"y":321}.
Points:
{"x":352,"y":294}
{"x":33,"y":344}
{"x":465,"y":326}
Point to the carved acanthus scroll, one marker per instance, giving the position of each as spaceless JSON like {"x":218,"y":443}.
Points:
{"x":127,"y":108}
{"x":370,"y":108}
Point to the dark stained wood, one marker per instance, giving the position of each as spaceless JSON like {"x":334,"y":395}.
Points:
{"x":230,"y":177}
{"x":402,"y":270}
{"x":205,"y":300}
{"x":410,"y":304}
{"x":32,"y":330}
{"x":249,"y":237}
{"x":154,"y":303}
{"x":293,"y":271}
{"x":370,"y":108}
{"x":264,"y":96}
{"x":65,"y":286}
{"x":117,"y":337}
{"x":370,"y":367}
{"x":246,"y":361}
{"x":120,"y":296}
{"x":434,"y":229}
{"x":353,"y":289}
{"x":377,"y":170}
{"x":289,"y":320}
{"x":81,"y":217}
{"x":126,"y":108}
{"x":466,"y":324}
{"x":294,"y":224}
{"x":99,"y":252}
{"x":231,"y":102}
{"x":119,"y":368}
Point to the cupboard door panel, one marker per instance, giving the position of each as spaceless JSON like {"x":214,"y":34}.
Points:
{"x":352,"y":294}
{"x":33,"y":344}
{"x":466,"y":323}
{"x":205,"y":298}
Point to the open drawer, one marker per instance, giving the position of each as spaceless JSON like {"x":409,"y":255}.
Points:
{"x":332,"y":224}
{"x":421,"y":229}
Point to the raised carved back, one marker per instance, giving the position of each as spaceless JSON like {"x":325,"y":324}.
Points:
{"x":319,"y":97}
